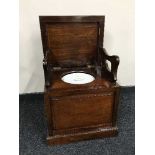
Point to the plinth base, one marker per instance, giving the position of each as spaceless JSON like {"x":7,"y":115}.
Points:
{"x":68,"y":138}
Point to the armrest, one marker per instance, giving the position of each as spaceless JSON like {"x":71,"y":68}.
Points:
{"x":47,"y":72}
{"x":113,"y":59}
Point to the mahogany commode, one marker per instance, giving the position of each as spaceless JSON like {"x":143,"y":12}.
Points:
{"x":78,"y":111}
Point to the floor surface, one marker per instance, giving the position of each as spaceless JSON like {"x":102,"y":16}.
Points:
{"x":33,"y":130}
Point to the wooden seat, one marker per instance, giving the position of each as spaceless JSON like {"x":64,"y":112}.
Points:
{"x":57,"y":83}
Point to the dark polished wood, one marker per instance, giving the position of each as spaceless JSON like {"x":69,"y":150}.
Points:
{"x":86,"y":111}
{"x":93,"y":134}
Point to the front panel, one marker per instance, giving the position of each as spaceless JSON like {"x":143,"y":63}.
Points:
{"x":82,"y":111}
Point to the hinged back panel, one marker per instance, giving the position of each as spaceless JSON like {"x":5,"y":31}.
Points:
{"x":73,"y":40}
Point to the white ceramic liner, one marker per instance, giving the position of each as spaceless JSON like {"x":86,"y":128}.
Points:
{"x":78,"y":78}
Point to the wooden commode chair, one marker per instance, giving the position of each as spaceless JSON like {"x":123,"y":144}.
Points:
{"x":81,"y":93}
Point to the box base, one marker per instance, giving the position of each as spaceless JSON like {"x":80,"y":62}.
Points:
{"x":97,"y":133}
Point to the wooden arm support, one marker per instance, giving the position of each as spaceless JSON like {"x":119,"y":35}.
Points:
{"x":114,"y":62}
{"x":47,"y":71}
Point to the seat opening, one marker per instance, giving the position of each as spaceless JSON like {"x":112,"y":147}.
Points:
{"x":78,"y":78}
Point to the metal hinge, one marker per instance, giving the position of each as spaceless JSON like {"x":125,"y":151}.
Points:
{"x":56,"y":68}
{"x":90,"y":66}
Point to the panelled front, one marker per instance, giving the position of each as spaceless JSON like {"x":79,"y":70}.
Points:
{"x":82,"y":110}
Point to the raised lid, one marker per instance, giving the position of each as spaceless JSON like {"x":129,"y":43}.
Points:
{"x":73,"y":40}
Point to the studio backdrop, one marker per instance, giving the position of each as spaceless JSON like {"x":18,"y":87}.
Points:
{"x":118,"y":38}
